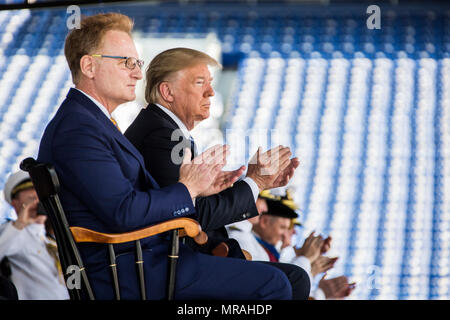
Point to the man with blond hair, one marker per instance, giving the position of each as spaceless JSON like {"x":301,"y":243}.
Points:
{"x":105,"y":186}
{"x":178,"y":91}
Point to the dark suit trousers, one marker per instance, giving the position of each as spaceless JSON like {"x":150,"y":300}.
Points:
{"x":298,"y":278}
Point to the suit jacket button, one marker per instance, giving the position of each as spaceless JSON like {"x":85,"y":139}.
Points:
{"x":187,"y":209}
{"x":182,"y":210}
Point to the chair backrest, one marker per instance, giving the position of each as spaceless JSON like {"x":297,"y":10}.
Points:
{"x":46,"y":184}
{"x":45,"y":181}
{"x":5,"y":268}
{"x":7,"y":289}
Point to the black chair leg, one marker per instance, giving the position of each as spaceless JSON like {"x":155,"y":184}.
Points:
{"x":112,"y":261}
{"x":140,"y":269}
{"x":173,"y":258}
{"x":69,"y":247}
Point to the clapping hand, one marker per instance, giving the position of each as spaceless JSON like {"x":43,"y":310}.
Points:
{"x":322,"y":264}
{"x":273,"y":168}
{"x":336,"y":288}
{"x":311,"y":247}
{"x":200,"y":173}
{"x":224,"y":180}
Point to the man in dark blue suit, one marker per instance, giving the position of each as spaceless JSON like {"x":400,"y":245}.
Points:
{"x":178,"y":91}
{"x":105,"y":186}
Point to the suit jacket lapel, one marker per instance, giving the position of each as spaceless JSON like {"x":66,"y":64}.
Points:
{"x":111,"y":128}
{"x":158,"y":112}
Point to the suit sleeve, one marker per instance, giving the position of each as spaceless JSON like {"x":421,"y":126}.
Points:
{"x":231,"y":205}
{"x":88,"y":166}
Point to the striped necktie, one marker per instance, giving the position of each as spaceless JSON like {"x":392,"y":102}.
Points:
{"x":115,"y":123}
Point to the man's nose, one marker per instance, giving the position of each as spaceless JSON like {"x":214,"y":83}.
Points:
{"x":137,"y":73}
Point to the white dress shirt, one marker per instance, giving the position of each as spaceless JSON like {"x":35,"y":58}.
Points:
{"x":102,"y":107}
{"x":33,"y":269}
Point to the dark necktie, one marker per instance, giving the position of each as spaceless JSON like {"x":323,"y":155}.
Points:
{"x":193,"y":148}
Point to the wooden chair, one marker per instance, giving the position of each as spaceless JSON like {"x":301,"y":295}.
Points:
{"x":46,"y":183}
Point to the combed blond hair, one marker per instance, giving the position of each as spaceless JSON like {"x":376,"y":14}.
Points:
{"x":89,"y":37}
{"x":168,"y":62}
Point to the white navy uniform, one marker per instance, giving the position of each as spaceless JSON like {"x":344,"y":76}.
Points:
{"x":33,"y":270}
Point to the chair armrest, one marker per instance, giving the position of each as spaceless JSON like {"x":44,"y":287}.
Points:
{"x":247,"y":255}
{"x":188,"y":226}
{"x":221,"y":250}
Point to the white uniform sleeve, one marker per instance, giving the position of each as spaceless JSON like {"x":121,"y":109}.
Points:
{"x":288,"y":256}
{"x":10,"y":240}
{"x":304,"y":263}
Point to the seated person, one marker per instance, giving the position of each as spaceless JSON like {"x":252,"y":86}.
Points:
{"x":178,"y":90}
{"x":270,"y":238}
{"x":312,"y":251}
{"x":262,"y":241}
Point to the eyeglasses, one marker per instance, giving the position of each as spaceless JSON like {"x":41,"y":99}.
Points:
{"x":130,"y":62}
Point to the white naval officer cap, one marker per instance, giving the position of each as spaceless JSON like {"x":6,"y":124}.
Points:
{"x":16,"y":182}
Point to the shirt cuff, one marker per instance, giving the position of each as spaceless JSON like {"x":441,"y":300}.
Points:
{"x":303,"y":262}
{"x":253,"y":186}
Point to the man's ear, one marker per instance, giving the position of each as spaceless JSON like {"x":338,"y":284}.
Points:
{"x":263,"y":220}
{"x":16,"y":205}
{"x":165,"y":91}
{"x":87,"y":66}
